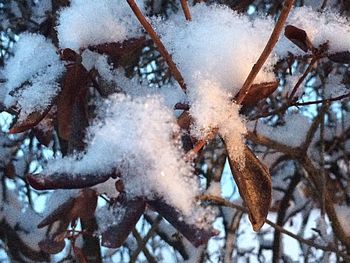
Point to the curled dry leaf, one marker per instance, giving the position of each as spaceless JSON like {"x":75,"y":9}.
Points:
{"x":340,"y":57}
{"x":32,"y":120}
{"x":45,"y":129}
{"x":254,"y":185}
{"x":121,"y":50}
{"x":64,"y":181}
{"x":298,"y":37}
{"x":75,"y":80}
{"x":258,"y":92}
{"x":83,"y":206}
{"x":52,"y":246}
{"x":54,"y":241}
{"x":197,"y":236}
{"x":115,"y":235}
{"x":61,"y":212}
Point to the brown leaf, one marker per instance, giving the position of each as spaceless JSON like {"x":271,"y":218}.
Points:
{"x":84,"y":205}
{"x":51,"y":246}
{"x":258,"y":92}
{"x":32,"y":120}
{"x":340,"y":57}
{"x":197,"y":236}
{"x":10,"y":170}
{"x":254,"y":185}
{"x":115,"y":235}
{"x":62,"y":211}
{"x":118,"y":51}
{"x":75,"y":81}
{"x":64,"y":181}
{"x":184,"y":120}
{"x":298,"y":37}
{"x":68,"y":54}
{"x":44,"y":130}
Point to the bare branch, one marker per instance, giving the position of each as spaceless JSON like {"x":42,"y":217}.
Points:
{"x":161,"y":48}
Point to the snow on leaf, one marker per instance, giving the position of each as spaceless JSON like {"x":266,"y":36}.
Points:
{"x":92,"y":22}
{"x":32,"y":75}
{"x":139,"y":138}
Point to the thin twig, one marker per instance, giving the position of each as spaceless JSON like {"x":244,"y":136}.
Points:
{"x":300,"y":81}
{"x":321,"y":101}
{"x":223,"y":202}
{"x":186,"y":10}
{"x":141,"y":246}
{"x":161,"y":48}
{"x":267,"y":51}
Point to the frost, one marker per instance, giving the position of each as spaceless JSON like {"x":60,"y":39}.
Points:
{"x":32,"y":74}
{"x":92,"y":22}
{"x":138,"y":138}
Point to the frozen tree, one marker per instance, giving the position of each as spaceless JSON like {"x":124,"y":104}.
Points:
{"x":167,"y":131}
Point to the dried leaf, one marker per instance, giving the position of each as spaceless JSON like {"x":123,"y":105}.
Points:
{"x":254,"y":185}
{"x":298,"y":37}
{"x":32,"y":120}
{"x":119,"y":50}
{"x":197,"y":236}
{"x":10,"y":170}
{"x":60,"y":212}
{"x":75,"y":81}
{"x":115,"y":235}
{"x":68,"y":54}
{"x":64,"y":181}
{"x":258,"y":92}
{"x":184,"y":120}
{"x":340,"y":57}
{"x":83,"y":206}
{"x":51,"y":246}
{"x":44,"y":130}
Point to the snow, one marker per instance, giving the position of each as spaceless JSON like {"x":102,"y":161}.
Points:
{"x":334,"y":86}
{"x":32,"y":74}
{"x":321,"y":27}
{"x":19,"y":216}
{"x":138,"y":137}
{"x":92,"y":22}
{"x":211,"y":52}
{"x":291,"y":133}
{"x":135,"y":87}
{"x":214,"y":189}
{"x":40,"y":10}
{"x":214,"y":45}
{"x":57,"y":198}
